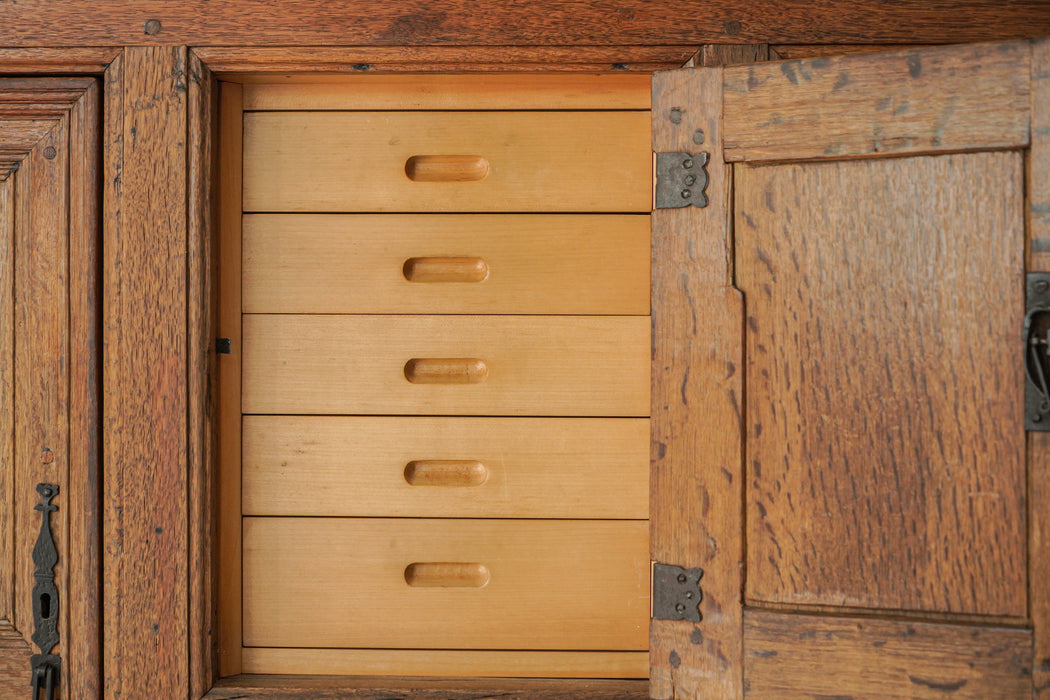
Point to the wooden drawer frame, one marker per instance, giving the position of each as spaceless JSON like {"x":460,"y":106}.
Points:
{"x":592,"y":688}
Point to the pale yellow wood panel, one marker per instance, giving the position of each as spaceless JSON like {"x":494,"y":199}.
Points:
{"x":796,"y":657}
{"x":356,"y":161}
{"x":597,"y":467}
{"x":340,"y":582}
{"x":886,"y":456}
{"x":448,"y":663}
{"x":531,"y":264}
{"x":441,"y":92}
{"x":922,"y":100}
{"x":533,"y":365}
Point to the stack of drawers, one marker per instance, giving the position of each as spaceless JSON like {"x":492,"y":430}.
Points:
{"x":445,"y":383}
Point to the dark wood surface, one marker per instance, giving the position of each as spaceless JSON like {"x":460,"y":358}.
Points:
{"x":145,"y":370}
{"x":885,"y":447}
{"x":363,"y":688}
{"x":443,"y":59}
{"x":517,"y":22}
{"x":697,"y":370}
{"x":802,"y":657}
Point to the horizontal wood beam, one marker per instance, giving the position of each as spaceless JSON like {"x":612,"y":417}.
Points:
{"x":517,"y":22}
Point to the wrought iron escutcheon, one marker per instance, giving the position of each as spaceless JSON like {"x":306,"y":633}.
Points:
{"x":1036,"y":338}
{"x":46,"y":666}
{"x":681,"y":180}
{"x":676,"y":593}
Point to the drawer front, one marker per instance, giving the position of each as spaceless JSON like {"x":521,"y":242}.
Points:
{"x":451,"y":263}
{"x":446,"y":365}
{"x":446,"y":467}
{"x":447,"y":584}
{"x":447,"y":162}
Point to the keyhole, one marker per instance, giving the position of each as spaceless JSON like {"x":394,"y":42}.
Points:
{"x":45,"y":606}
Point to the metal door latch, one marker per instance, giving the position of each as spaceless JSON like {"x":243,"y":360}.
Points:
{"x":46,"y":666}
{"x":681,"y":180}
{"x":1036,"y":338}
{"x":676,"y":593}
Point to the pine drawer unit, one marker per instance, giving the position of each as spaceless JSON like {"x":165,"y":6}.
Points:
{"x":436,"y":444}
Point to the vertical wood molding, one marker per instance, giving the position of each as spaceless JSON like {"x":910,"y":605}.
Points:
{"x":1038,"y":190}
{"x":85,"y":478}
{"x":145,"y":394}
{"x":203,"y":111}
{"x":697,"y":393}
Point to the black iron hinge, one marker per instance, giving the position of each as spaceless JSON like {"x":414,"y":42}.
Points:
{"x":1036,"y":339}
{"x":46,"y":667}
{"x":676,"y":593}
{"x":681,"y":180}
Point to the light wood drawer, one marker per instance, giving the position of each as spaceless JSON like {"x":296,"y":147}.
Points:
{"x":476,"y":584}
{"x":446,"y":365}
{"x":447,"y":161}
{"x":446,"y":263}
{"x":446,"y":467}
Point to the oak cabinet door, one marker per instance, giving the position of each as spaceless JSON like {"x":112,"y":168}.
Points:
{"x":48,"y":378}
{"x":866,"y":498}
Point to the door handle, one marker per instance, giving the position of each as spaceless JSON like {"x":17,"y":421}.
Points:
{"x":46,"y":666}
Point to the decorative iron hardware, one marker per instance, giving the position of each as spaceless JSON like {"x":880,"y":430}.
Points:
{"x":676,"y":593}
{"x":1036,"y":338}
{"x":46,"y":666}
{"x":223,"y":346}
{"x":681,"y":180}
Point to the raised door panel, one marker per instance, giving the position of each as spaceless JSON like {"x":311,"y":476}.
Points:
{"x":48,"y":399}
{"x":871,"y":538}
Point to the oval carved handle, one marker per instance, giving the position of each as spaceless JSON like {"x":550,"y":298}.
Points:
{"x":446,"y":168}
{"x":445,"y":574}
{"x":446,"y":370}
{"x":446,"y":472}
{"x":445,"y":270}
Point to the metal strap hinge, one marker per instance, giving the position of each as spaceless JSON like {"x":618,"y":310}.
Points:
{"x":676,"y":593}
{"x":681,"y":180}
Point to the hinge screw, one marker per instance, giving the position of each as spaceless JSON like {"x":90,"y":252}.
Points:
{"x":679,"y":608}
{"x":686,"y":194}
{"x":690,"y":179}
{"x":1036,"y":418}
{"x":1042,"y":286}
{"x":682,"y":578}
{"x":687,"y":163}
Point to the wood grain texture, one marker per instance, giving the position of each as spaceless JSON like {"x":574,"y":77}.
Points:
{"x":228,"y":382}
{"x":1038,"y":219}
{"x":598,"y":467}
{"x":355,"y":161}
{"x":65,"y":61}
{"x":203,"y":122}
{"x":923,"y":100}
{"x":535,"y":264}
{"x":732,"y":54}
{"x":448,"y":91}
{"x":440,"y":663}
{"x":554,"y":584}
{"x":41,"y":371}
{"x":85,"y":469}
{"x":537,"y":365}
{"x":793,"y":656}
{"x":1038,"y":183}
{"x":145,"y":393}
{"x":7,"y":397}
{"x":519,"y":22}
{"x":233,"y":61}
{"x":885,"y":442}
{"x":283,"y":687}
{"x":697,"y":369}
{"x":795,"y":52}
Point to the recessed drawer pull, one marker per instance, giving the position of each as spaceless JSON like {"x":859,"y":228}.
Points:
{"x":446,"y":168}
{"x":446,"y":472}
{"x":446,"y":370}
{"x":442,"y":574}
{"x":445,"y":270}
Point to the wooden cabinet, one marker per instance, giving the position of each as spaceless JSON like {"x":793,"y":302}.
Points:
{"x":854,"y":359}
{"x":439,"y":445}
